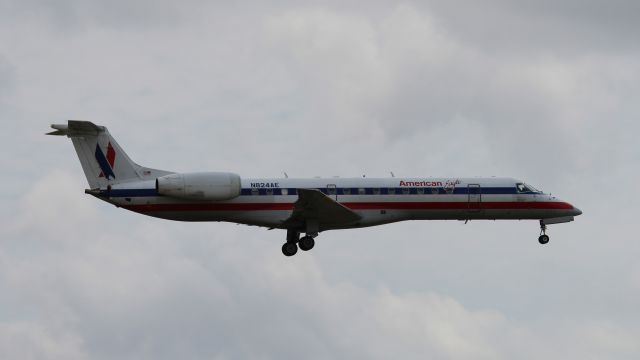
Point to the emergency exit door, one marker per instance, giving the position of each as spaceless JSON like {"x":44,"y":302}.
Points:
{"x":474,"y":202}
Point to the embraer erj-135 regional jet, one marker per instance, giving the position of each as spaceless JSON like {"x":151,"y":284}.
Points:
{"x":307,"y":206}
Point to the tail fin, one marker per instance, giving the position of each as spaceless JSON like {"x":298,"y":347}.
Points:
{"x":103,"y":160}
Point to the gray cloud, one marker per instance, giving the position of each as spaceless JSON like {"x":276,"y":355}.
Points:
{"x":69,"y":17}
{"x":136,"y":292}
{"x":569,"y":28}
{"x":321,"y":89}
{"x":7,"y":79}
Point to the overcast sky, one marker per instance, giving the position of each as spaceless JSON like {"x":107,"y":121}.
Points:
{"x":538,"y":90}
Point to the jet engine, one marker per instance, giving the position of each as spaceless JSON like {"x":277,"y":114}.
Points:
{"x":200,"y":185}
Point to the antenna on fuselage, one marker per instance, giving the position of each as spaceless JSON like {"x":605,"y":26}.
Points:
{"x":392,"y":175}
{"x":285,"y":175}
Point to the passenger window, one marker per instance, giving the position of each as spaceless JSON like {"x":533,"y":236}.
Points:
{"x":391,"y":191}
{"x":331,"y":191}
{"x":435,"y":191}
{"x":284,"y":191}
{"x":406,"y":191}
{"x":420,"y":191}
{"x":346,"y":191}
{"x":376,"y":191}
{"x":361,"y":191}
{"x":269,"y":191}
{"x":255,"y":191}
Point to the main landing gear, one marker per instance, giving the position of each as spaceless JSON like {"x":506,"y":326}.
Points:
{"x":544,"y":238}
{"x":294,"y":241}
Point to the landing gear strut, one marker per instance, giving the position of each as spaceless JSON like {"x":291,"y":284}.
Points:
{"x":544,"y":238}
{"x":290,"y":248}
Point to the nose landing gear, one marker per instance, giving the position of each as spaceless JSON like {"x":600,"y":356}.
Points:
{"x":544,"y":238}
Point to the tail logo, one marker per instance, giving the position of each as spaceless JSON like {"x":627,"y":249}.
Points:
{"x":106,"y":162}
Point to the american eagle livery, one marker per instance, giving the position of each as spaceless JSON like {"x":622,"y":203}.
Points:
{"x":299,"y":206}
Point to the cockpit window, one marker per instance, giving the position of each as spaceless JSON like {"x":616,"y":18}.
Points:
{"x":532,"y":189}
{"x":526,"y":188}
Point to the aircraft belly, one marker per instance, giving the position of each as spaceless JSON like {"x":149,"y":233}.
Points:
{"x":240,"y":212}
{"x":268,"y":218}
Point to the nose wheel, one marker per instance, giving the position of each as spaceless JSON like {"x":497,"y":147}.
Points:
{"x":543,"y":238}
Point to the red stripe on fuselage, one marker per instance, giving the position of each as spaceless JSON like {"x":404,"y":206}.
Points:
{"x":456,"y":205}
{"x":210,"y":207}
{"x":354,"y":206}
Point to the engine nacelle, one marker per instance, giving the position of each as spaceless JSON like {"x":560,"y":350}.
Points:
{"x":200,"y":186}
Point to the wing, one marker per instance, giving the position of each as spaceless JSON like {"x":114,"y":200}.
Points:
{"x":313,"y":205}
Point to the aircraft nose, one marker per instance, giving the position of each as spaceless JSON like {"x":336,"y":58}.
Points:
{"x":576,"y":211}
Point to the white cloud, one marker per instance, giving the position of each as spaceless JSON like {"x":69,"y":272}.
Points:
{"x":324,"y":89}
{"x":22,"y":340}
{"x":131,"y":288}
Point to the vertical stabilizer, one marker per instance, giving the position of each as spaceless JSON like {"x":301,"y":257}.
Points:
{"x":103,"y":160}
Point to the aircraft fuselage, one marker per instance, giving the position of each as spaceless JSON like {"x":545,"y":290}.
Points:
{"x":269,"y":202}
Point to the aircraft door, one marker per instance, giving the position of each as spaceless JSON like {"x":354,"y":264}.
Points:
{"x":332,"y":191}
{"x":475,"y":198}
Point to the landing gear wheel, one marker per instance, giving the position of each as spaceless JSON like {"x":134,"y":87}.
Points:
{"x":289,"y":249}
{"x":306,"y":243}
{"x":543,"y":239}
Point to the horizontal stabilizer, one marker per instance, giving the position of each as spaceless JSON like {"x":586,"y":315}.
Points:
{"x":77,"y":128}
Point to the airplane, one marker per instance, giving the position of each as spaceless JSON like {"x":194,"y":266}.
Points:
{"x":298,"y":206}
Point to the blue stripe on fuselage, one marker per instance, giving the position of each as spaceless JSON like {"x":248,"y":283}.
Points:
{"x":339,"y":191}
{"x":129,"y":193}
{"x":383,"y":191}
